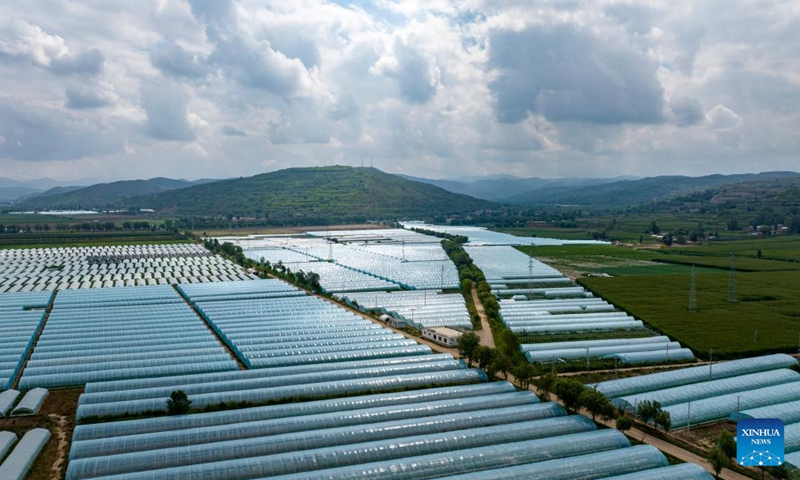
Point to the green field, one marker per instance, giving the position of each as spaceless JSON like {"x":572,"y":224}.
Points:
{"x":767,"y":302}
{"x":32,"y":218}
{"x":85,"y":239}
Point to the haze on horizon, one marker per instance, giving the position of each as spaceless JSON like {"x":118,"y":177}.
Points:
{"x":216,"y":89}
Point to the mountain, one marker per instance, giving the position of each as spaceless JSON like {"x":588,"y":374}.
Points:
{"x":627,"y":193}
{"x":101,"y":195}
{"x":500,"y":188}
{"x":337,"y":193}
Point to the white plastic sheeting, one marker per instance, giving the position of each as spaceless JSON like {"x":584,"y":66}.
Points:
{"x":7,"y":440}
{"x":31,"y":402}
{"x":7,"y":399}
{"x":21,"y":459}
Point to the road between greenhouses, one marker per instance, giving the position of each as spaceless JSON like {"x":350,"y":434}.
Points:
{"x":485,"y":333}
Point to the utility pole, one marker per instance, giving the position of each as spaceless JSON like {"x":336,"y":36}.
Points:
{"x":587,"y":359}
{"x":732,"y":281}
{"x":688,"y":416}
{"x":710,"y":361}
{"x":755,"y":336}
{"x":693,"y":290}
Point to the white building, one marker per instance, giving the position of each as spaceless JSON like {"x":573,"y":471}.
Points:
{"x":442,"y":335}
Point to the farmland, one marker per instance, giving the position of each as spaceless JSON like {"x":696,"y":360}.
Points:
{"x":767,"y":303}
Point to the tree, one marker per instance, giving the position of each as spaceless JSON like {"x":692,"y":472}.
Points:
{"x":663,"y":419}
{"x":568,"y":391}
{"x":503,"y":364}
{"x":468,"y":344}
{"x":486,"y":356}
{"x":178,"y":403}
{"x":654,"y":228}
{"x":648,"y":410}
{"x":718,"y":460}
{"x":759,"y":254}
{"x":524,"y":374}
{"x":726,"y":443}
{"x":624,"y":423}
{"x":545,"y":384}
{"x":595,"y":402}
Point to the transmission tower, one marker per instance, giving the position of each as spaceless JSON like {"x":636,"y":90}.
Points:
{"x":732,"y":282}
{"x":693,"y":291}
{"x":530,"y":267}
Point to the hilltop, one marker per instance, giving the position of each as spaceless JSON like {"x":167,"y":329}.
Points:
{"x":314,"y":194}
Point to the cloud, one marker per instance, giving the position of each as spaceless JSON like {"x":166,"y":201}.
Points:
{"x":85,"y":97}
{"x":168,"y":117}
{"x":232,"y":131}
{"x":567,"y":74}
{"x":23,"y":41}
{"x":416,"y":74}
{"x":36,"y":133}
{"x":687,"y":111}
{"x":723,"y":118}
{"x":173,"y":60}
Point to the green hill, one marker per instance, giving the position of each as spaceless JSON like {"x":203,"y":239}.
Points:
{"x":317,"y":194}
{"x":628,"y":193}
{"x":101,"y":195}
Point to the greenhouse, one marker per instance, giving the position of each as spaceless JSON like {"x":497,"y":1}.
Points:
{"x":686,"y":376}
{"x":112,"y":266}
{"x":539,"y":347}
{"x":429,"y":430}
{"x":265,"y":380}
{"x":353,"y":404}
{"x":255,"y":427}
{"x":792,"y":460}
{"x":787,"y":412}
{"x":7,"y":400}
{"x":31,"y":402}
{"x":708,"y":389}
{"x":7,"y":440}
{"x":574,"y":353}
{"x":583,"y":467}
{"x":19,"y":462}
{"x":267,"y":395}
{"x":587,"y":326}
{"x":654,"y":356}
{"x":21,"y":316}
{"x":119,"y":333}
{"x":681,"y":471}
{"x":419,"y":308}
{"x":722,"y":407}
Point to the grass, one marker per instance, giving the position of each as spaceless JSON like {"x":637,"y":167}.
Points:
{"x":767,"y":303}
{"x":86,"y":239}
{"x":30,"y":218}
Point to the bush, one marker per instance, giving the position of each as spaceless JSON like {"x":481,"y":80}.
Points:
{"x":178,"y":403}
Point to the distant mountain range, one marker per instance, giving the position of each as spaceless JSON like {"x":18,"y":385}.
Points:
{"x":501,"y":188}
{"x":101,"y":195}
{"x":628,"y":193}
{"x":348,"y":193}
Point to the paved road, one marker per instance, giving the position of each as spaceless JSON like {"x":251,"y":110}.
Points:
{"x":485,"y":334}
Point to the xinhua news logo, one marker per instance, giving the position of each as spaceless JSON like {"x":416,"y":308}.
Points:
{"x":759,"y":442}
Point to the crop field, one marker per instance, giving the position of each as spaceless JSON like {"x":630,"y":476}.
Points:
{"x":765,"y":318}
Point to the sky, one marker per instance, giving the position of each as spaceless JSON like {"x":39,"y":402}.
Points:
{"x":432,"y":88}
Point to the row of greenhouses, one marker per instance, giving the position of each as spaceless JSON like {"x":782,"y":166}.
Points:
{"x":484,"y":236}
{"x":29,"y":404}
{"x":48,"y":269}
{"x":476,"y":428}
{"x":714,"y":392}
{"x":420,"y":309}
{"x":286,"y":329}
{"x":383,"y":257}
{"x":21,"y":317}
{"x":117,"y":333}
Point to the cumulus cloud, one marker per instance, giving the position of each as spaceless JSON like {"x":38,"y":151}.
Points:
{"x":36,"y":133}
{"x":565,"y":73}
{"x":168,"y":117}
{"x":173,"y":60}
{"x":723,"y":118}
{"x":417,"y":75}
{"x":232,"y":131}
{"x":23,"y":41}
{"x":687,"y":111}
{"x":85,"y":96}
